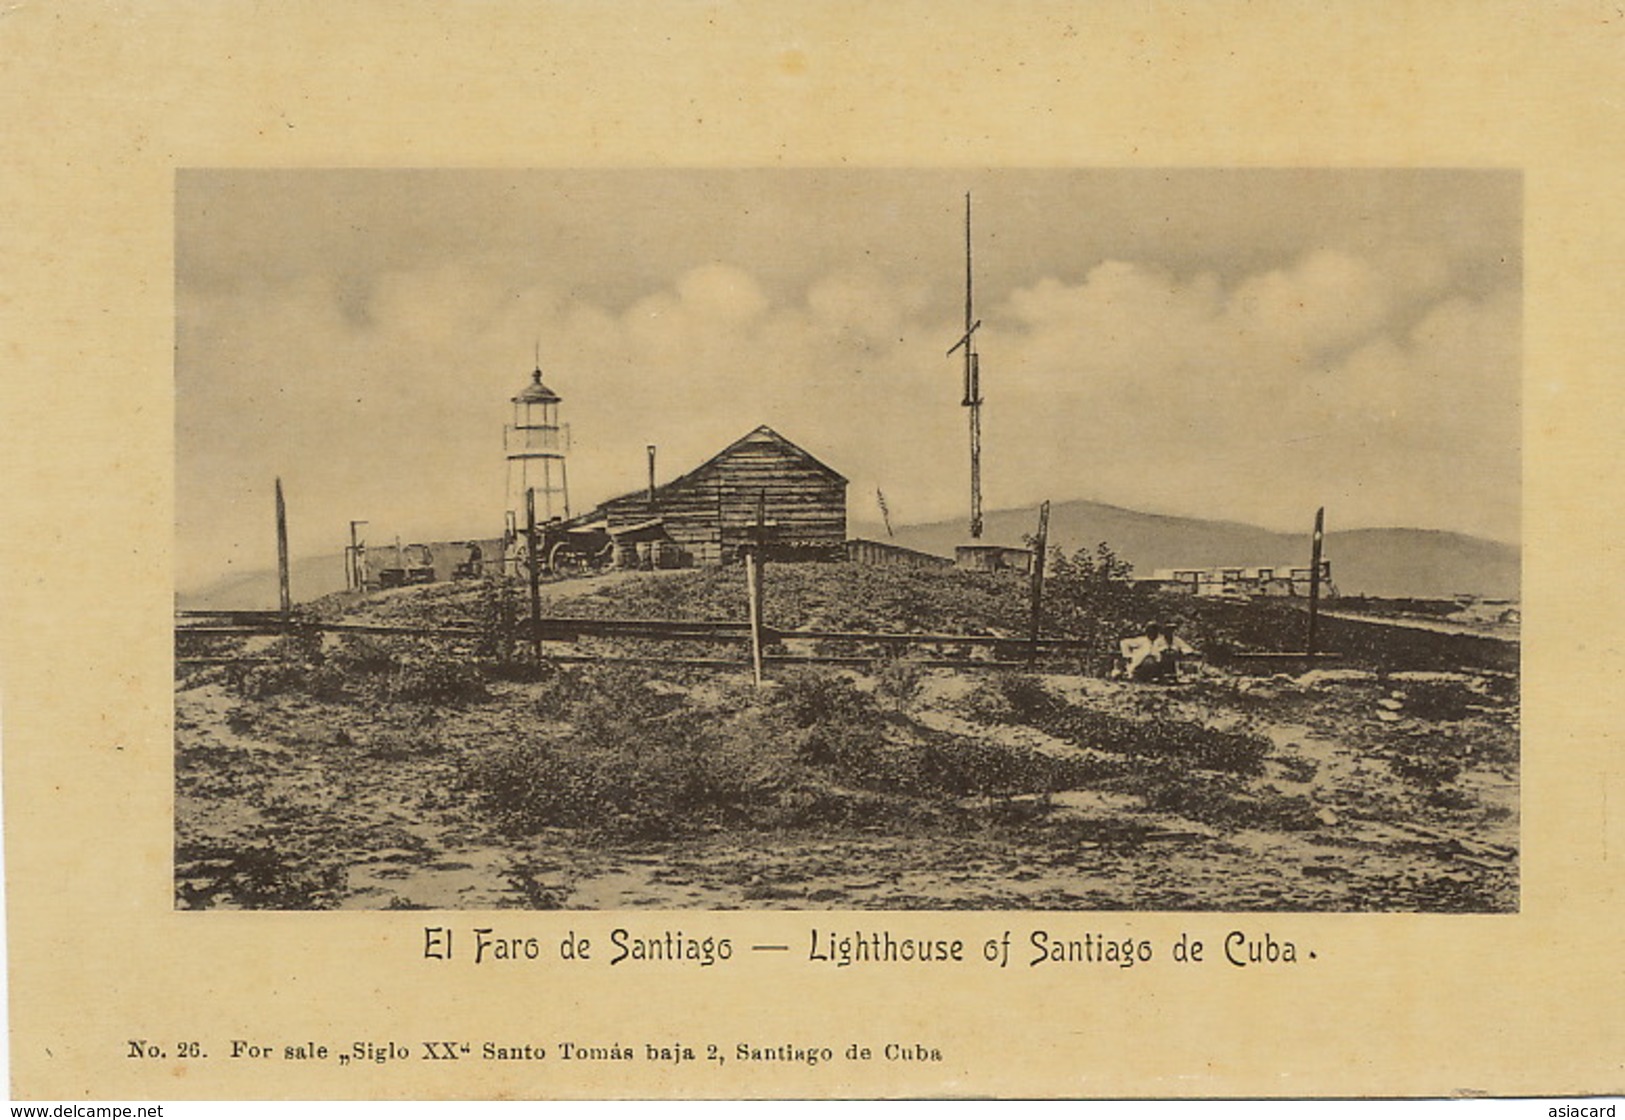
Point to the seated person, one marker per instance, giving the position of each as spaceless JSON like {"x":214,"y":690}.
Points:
{"x":1154,"y":656}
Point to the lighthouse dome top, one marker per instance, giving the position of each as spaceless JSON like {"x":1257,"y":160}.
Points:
{"x":536,"y":392}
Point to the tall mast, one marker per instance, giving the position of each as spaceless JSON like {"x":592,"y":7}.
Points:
{"x":973,"y":387}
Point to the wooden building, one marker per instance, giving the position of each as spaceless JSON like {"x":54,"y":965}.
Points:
{"x":706,"y":516}
{"x":884,"y":554}
{"x":979,"y":557}
{"x":1241,"y":580}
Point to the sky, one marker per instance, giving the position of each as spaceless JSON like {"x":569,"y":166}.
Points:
{"x":1242,"y":345}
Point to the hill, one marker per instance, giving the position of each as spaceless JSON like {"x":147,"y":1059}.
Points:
{"x":1393,"y":563}
{"x":1397,"y":563}
{"x":388,"y":770}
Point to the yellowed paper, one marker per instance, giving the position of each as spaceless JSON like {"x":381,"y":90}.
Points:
{"x":117,"y":993}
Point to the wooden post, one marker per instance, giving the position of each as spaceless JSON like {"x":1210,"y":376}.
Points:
{"x":754,"y":561}
{"x":534,"y":564}
{"x":1041,"y":546}
{"x":753,"y":587}
{"x":358,"y":578}
{"x":1314,"y":578}
{"x":284,"y":594}
{"x":651,"y":477}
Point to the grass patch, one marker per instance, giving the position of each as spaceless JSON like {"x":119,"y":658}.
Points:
{"x":1221,"y":800}
{"x":258,"y":877}
{"x":1022,"y":699}
{"x":635,"y":757}
{"x":360,"y":668}
{"x":1439,"y":701}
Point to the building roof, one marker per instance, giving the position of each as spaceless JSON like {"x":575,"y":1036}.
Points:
{"x":536,"y":392}
{"x":760,"y":434}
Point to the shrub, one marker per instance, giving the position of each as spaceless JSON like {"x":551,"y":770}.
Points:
{"x":900,"y":681}
{"x":278,"y":678}
{"x":437,"y":680}
{"x":1440,"y":701}
{"x":1220,"y":800}
{"x":396,"y":746}
{"x":1088,"y":595}
{"x":655,"y":782}
{"x":1424,"y":767}
{"x":256,"y":877}
{"x":358,"y":653}
{"x":810,"y":695}
{"x":963,"y":766}
{"x":360,"y":666}
{"x":633,"y":761}
{"x":1018,"y":698}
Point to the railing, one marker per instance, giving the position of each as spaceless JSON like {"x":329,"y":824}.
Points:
{"x":538,"y":440}
{"x":1001,"y":651}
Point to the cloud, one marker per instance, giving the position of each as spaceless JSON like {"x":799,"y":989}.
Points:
{"x":1325,"y":301}
{"x":1330,"y":379}
{"x":1333,"y":378}
{"x":721,"y":293}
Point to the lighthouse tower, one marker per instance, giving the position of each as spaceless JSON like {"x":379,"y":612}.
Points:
{"x":536,"y":444}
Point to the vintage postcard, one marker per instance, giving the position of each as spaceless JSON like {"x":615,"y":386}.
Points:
{"x":1064,"y":577}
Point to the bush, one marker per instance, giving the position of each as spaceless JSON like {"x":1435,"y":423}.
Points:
{"x":900,"y":681}
{"x":437,"y":680}
{"x":1221,"y":800}
{"x":361,"y":667}
{"x":396,"y":746}
{"x":1019,"y":698}
{"x":632,"y":760}
{"x":808,"y":697}
{"x":360,"y":654}
{"x":1088,"y":595}
{"x":1441,"y":701}
{"x":257,"y":877}
{"x":652,"y":783}
{"x":261,"y":682}
{"x":1424,"y":767}
{"x":968,"y":766}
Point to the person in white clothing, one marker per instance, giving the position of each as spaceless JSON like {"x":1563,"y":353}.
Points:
{"x":1154,"y":656}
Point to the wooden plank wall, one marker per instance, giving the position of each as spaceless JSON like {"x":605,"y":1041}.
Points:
{"x":710,"y":512}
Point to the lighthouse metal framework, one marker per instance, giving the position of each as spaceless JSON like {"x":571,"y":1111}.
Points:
{"x":536,"y":445}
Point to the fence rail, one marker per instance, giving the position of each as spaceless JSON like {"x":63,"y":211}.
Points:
{"x":567,"y":629}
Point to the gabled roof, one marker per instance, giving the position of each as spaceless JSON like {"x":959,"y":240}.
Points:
{"x":760,"y":434}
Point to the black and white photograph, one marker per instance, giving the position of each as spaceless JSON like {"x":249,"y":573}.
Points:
{"x":846,"y":539}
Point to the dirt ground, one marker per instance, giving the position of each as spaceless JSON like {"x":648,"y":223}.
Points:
{"x":1402,"y":786}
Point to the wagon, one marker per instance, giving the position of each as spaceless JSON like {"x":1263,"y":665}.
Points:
{"x":576,"y":550}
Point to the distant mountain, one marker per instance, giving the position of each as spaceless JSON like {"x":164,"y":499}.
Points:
{"x":1423,"y":564}
{"x":1397,"y":563}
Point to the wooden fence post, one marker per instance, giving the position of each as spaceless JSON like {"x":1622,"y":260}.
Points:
{"x":285,"y":595}
{"x":1040,"y":547}
{"x":754,"y":562}
{"x":534,"y":565}
{"x":357,"y":576}
{"x":1314,"y":579}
